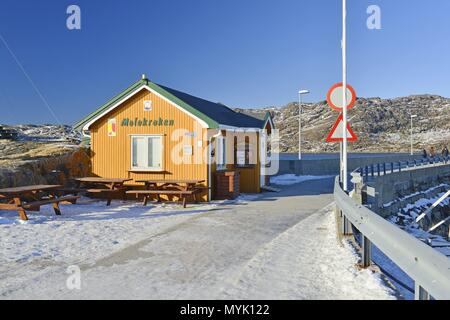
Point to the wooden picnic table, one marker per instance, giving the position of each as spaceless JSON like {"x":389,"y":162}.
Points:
{"x":108,"y":186}
{"x":32,"y":198}
{"x":183,"y":185}
{"x":179,"y":188}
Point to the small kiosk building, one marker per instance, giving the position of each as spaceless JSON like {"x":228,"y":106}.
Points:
{"x":150,"y":131}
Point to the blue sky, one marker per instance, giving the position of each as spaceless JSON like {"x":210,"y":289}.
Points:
{"x":248,"y":53}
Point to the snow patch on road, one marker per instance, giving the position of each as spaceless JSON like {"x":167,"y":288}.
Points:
{"x":307,"y":262}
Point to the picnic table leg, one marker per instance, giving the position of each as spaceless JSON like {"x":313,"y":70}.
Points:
{"x":77,"y":187}
{"x":20,"y":210}
{"x":111,"y":187}
{"x":145,"y":200}
{"x":124,"y":193}
{"x":183,"y":197}
{"x":194,"y":197}
{"x":56,"y":208}
{"x":55,"y":204}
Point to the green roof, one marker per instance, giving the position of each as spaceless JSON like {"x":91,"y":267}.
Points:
{"x":212,"y":113}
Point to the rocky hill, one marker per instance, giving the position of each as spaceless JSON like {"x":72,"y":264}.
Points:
{"x":42,"y":154}
{"x":382,"y":125}
{"x":34,"y":142}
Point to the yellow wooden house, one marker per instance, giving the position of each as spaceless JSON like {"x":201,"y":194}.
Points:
{"x":150,"y":131}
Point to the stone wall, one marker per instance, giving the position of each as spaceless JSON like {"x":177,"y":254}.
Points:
{"x":382,"y":190}
{"x":392,"y":193}
{"x":48,"y":170}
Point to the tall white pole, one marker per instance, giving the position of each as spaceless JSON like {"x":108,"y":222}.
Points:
{"x":412,"y":151}
{"x":299,"y":126}
{"x":344,"y":96}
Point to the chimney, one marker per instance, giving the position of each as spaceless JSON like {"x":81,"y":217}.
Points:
{"x":144,"y":77}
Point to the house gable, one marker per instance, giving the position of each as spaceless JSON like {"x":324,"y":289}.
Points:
{"x":111,"y":155}
{"x":209,"y":114}
{"x":131,"y":91}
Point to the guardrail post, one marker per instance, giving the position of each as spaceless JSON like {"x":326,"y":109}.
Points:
{"x":384,"y":168}
{"x":392,"y":167}
{"x":420,"y":293}
{"x":347,"y":229}
{"x":378,"y":169}
{"x":399,"y":166}
{"x":366,"y":252}
{"x":372,"y":171}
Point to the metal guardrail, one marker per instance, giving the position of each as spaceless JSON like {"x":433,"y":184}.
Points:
{"x":427,"y":267}
{"x":391,"y":167}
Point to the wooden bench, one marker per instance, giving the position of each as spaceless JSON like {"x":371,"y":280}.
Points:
{"x":20,"y":207}
{"x":36,"y":205}
{"x":108,"y":186}
{"x":180,"y":193}
{"x":32,"y":198}
{"x":74,"y":191}
{"x":109,"y":192}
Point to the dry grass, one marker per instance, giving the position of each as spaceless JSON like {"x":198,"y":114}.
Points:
{"x":16,"y":152}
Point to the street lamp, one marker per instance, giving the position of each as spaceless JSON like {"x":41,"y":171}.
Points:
{"x":412,"y":116}
{"x":300,"y":93}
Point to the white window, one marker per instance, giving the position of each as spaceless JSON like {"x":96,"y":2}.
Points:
{"x":147,"y":153}
{"x":221,"y":153}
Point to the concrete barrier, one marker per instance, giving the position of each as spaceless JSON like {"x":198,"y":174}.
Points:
{"x":380,"y":191}
{"x":328,"y":164}
{"x":391,"y":192}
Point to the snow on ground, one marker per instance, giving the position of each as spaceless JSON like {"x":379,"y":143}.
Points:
{"x":47,"y":133}
{"x":405,"y":219}
{"x":409,"y":196}
{"x":306,"y":262}
{"x":290,"y":179}
{"x":269,"y":246}
{"x":86,"y":229}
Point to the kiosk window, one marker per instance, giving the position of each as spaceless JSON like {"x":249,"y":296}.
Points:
{"x":146,"y":153}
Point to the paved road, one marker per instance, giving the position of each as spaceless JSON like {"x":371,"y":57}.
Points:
{"x":201,"y":257}
{"x":205,"y":257}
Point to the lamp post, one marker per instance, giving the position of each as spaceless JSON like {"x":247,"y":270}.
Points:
{"x":412,"y":116}
{"x":300,"y":93}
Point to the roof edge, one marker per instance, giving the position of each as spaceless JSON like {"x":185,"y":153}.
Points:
{"x":79,"y":125}
{"x":191,"y":109}
{"x":142,"y":83}
{"x":268,"y":118}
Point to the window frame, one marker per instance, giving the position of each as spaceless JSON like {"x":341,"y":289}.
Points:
{"x":247,"y":147}
{"x":147,"y":169}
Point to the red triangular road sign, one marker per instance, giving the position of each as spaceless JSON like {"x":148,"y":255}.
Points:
{"x":335,"y":134}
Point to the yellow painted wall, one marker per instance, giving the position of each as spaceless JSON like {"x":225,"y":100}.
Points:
{"x":111,"y":156}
